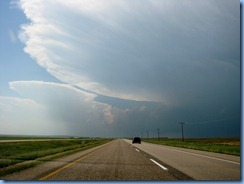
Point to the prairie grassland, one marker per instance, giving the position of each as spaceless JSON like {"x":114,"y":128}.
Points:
{"x":229,"y":146}
{"x":14,"y":153}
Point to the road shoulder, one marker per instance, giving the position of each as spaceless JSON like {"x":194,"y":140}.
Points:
{"x":36,"y":172}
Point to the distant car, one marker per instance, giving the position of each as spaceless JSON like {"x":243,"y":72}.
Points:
{"x":136,"y":140}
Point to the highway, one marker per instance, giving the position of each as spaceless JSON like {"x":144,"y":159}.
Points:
{"x":121,"y":160}
{"x":115,"y":161}
{"x":200,"y":165}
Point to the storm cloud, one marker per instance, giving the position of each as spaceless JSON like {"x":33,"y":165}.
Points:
{"x":74,"y":112}
{"x":127,"y":67}
{"x":150,"y":50}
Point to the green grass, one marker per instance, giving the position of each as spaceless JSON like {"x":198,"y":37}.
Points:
{"x":24,"y":138}
{"x":15,"y":153}
{"x":218,"y":145}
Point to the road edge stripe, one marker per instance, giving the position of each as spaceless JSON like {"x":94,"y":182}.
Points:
{"x":205,"y":156}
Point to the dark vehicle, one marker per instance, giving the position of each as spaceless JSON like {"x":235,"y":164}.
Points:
{"x":136,"y":140}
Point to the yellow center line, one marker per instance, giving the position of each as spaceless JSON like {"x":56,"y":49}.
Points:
{"x":72,"y":163}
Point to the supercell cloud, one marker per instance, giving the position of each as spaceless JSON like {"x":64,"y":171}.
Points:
{"x":129,"y":64}
{"x":139,"y":50}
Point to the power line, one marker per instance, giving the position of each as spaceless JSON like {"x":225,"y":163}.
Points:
{"x":211,"y":121}
{"x":158,"y":133}
{"x":182,"y":131}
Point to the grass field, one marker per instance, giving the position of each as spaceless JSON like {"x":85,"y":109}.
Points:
{"x":219,"y":145}
{"x":13,"y":154}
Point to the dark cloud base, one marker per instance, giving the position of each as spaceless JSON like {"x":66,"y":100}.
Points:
{"x":142,"y":117}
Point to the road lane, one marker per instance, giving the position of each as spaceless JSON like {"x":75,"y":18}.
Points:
{"x":199,"y":165}
{"x":119,"y":160}
{"x":115,"y":161}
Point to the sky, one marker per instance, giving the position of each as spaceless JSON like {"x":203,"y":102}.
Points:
{"x":120,"y":68}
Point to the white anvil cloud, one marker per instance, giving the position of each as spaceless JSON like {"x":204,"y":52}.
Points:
{"x":139,"y":50}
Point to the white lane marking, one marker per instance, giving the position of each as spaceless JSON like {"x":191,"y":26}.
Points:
{"x":233,"y":162}
{"x":137,"y":150}
{"x":164,"y":168}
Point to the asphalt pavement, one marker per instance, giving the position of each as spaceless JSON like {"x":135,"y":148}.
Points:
{"x":115,"y":161}
{"x":199,"y":165}
{"x":120,"y":160}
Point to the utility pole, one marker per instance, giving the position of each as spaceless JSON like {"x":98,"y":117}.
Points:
{"x":158,"y":133}
{"x":147,"y":134}
{"x":182,"y":130}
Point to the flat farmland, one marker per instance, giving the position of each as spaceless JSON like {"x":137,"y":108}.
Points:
{"x":229,"y":146}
